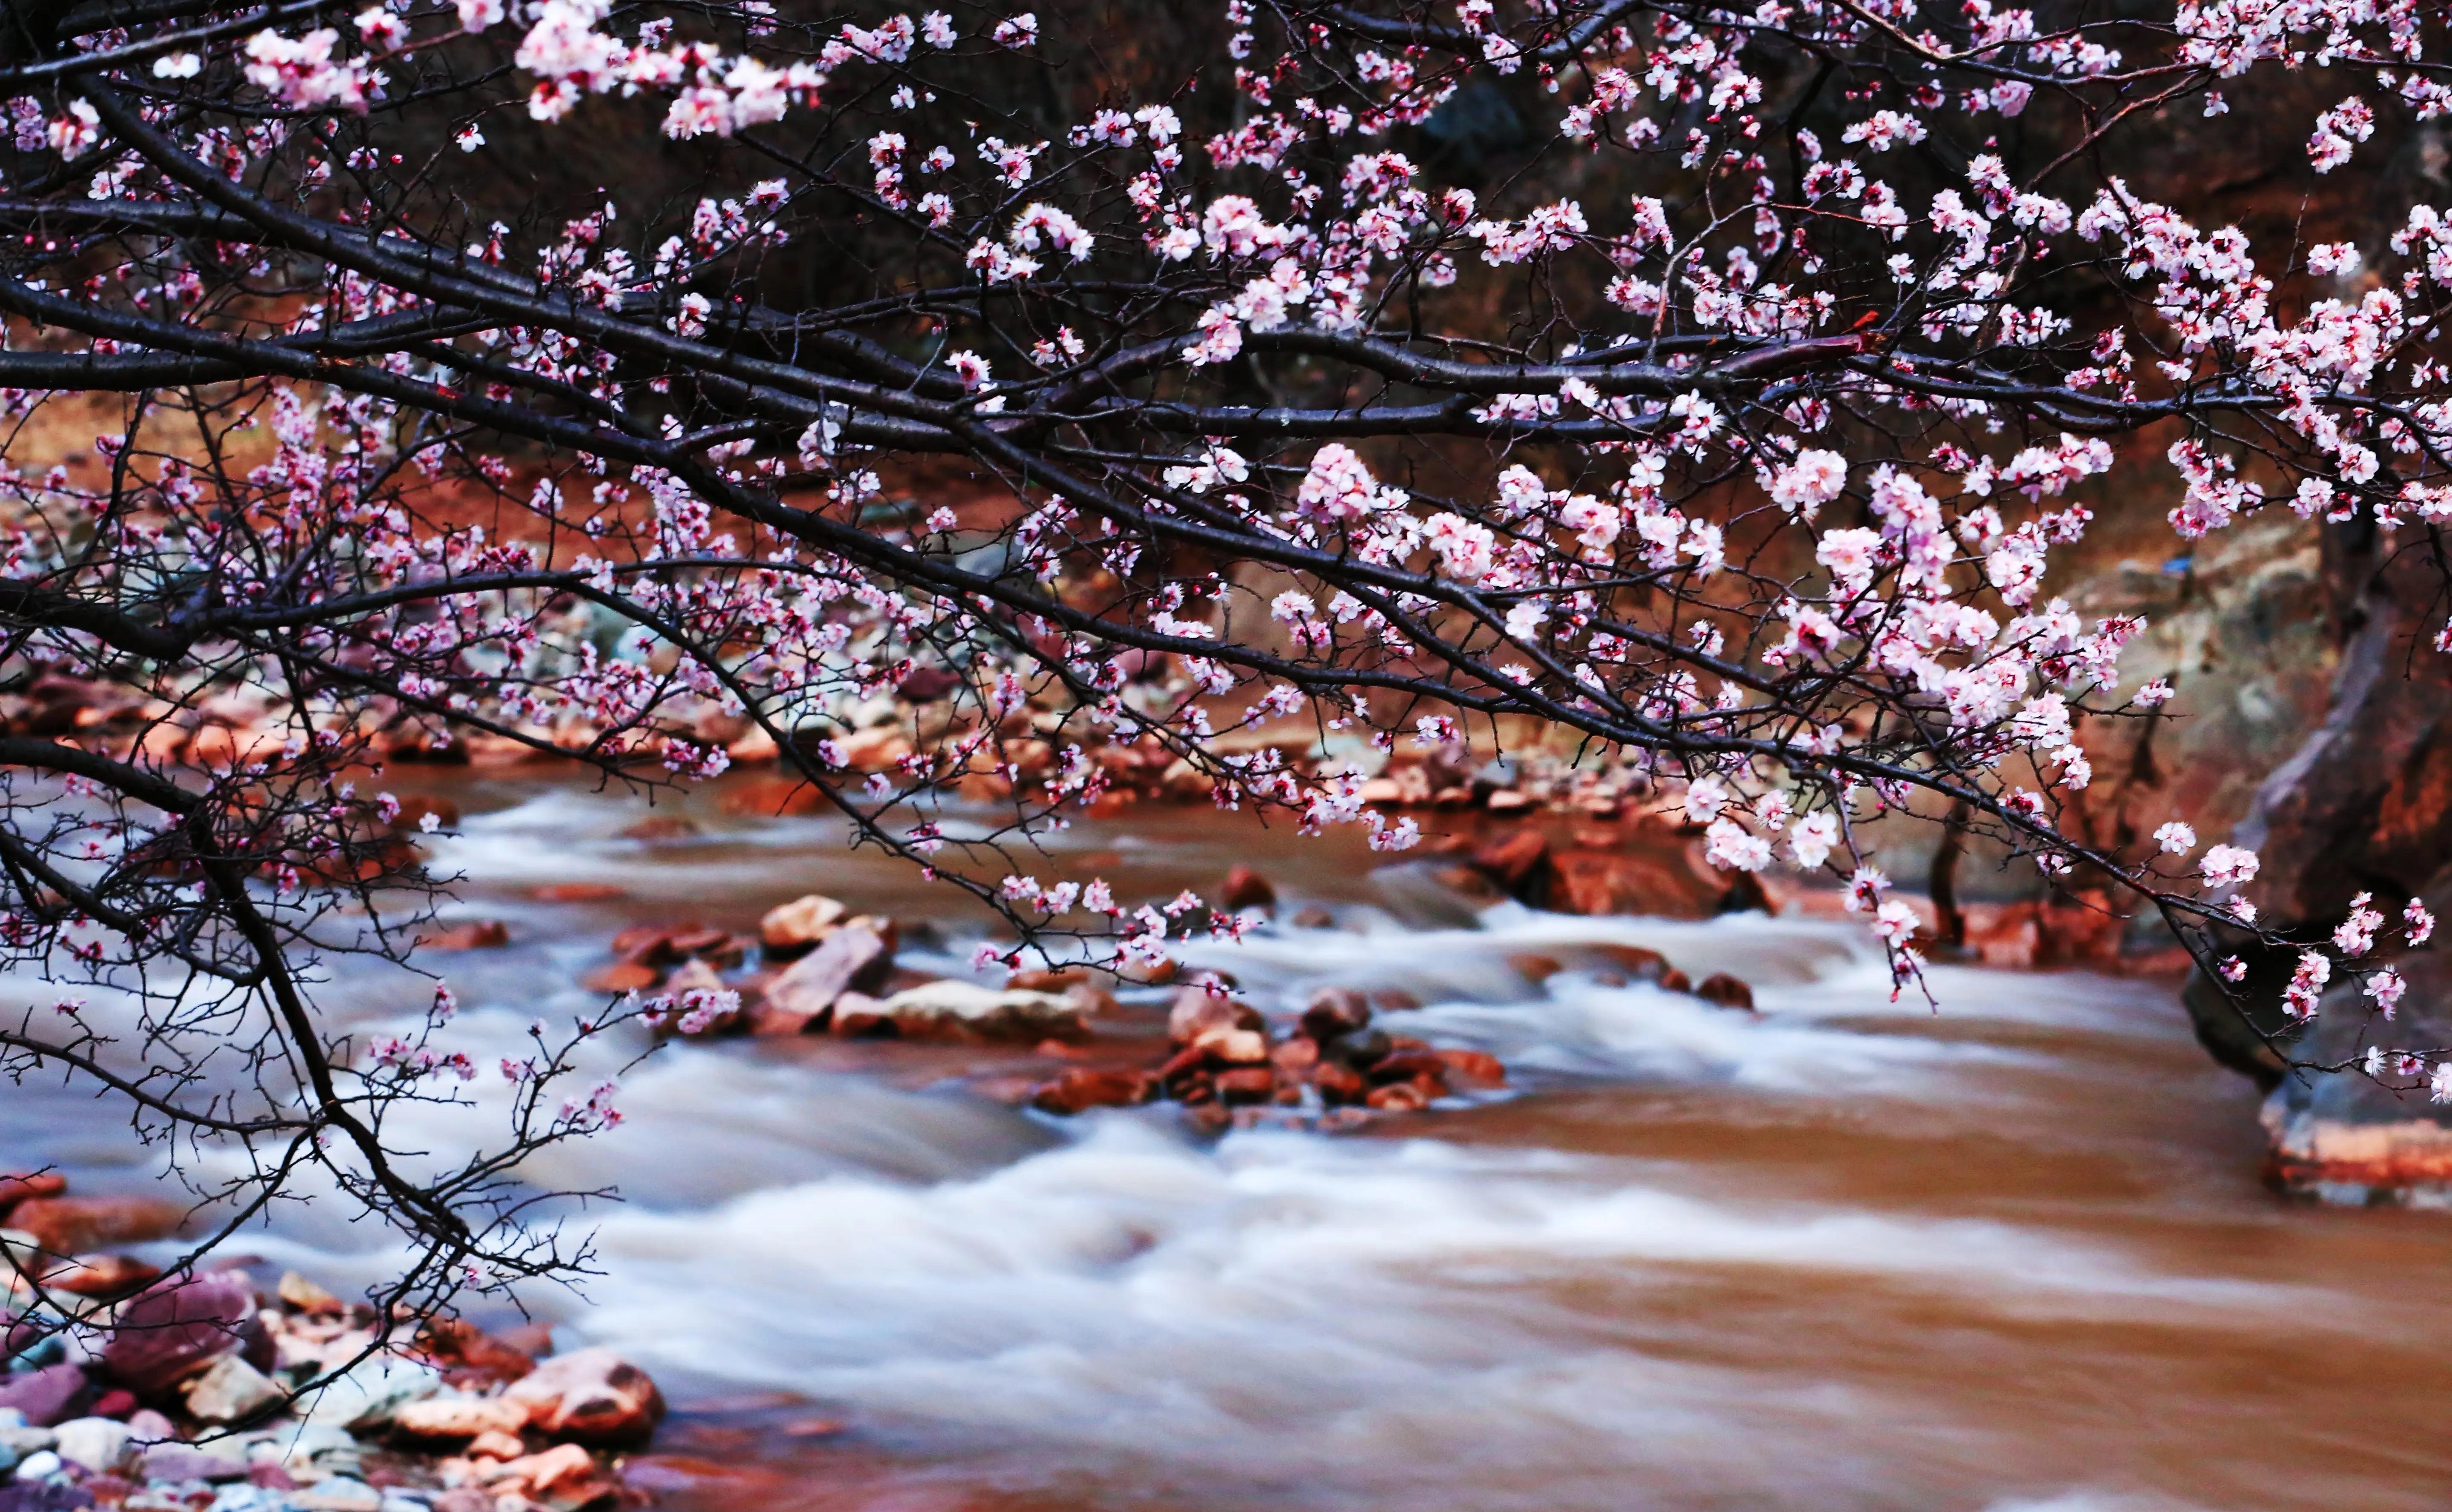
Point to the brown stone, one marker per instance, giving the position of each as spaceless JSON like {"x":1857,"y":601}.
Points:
{"x":1408,"y":1065}
{"x":1079,"y":1089}
{"x":1673,"y":980}
{"x":589,"y":1396}
{"x":1062,"y":979}
{"x":1513,"y":861}
{"x":577,"y":892}
{"x":1246,"y":889}
{"x":1250,"y":1084}
{"x":1509,"y":801}
{"x":1335,"y":1010}
{"x":101,"y":1275}
{"x":1474,"y":1067}
{"x":657,"y":827}
{"x":1399,"y":1098}
{"x":1535,"y":968}
{"x":71,"y":1226}
{"x":1647,"y":880}
{"x":795,"y":928}
{"x":1728,"y":992}
{"x":472,"y":935}
{"x":470,"y":1357}
{"x":1297,"y":1054}
{"x":1311,"y":916}
{"x":14,"y":1189}
{"x":1639,"y":963}
{"x":1338,"y":1083}
{"x":621,"y":977}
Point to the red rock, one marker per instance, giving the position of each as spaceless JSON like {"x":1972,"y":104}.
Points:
{"x":101,"y":1275}
{"x":1336,"y":1010}
{"x":1399,"y":1098}
{"x":1673,"y":980}
{"x":590,"y":1396}
{"x":851,"y":959}
{"x":1535,"y":968}
{"x":1513,"y":861}
{"x":116,"y":1402}
{"x":1247,"y":889}
{"x":1337,"y":1083}
{"x":14,"y":1189}
{"x":1081,"y":1089}
{"x":474,"y":934}
{"x":1314,"y":917}
{"x":621,"y":977}
{"x":1407,"y":1064}
{"x":1297,"y":1054}
{"x":1234,"y":1047}
{"x":470,"y":1357}
{"x":1254,"y":1083}
{"x":1474,"y":1067}
{"x":68,"y":1225}
{"x":577,"y":892}
{"x":1638,"y":963}
{"x":1510,"y":800}
{"x":1648,"y":880}
{"x":1197,"y":1011}
{"x":1061,"y":980}
{"x":1728,"y":992}
{"x":177,"y":1328}
{"x":661,"y":826}
{"x":652,"y":944}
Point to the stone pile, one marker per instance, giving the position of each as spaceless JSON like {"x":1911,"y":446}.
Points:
{"x":1223,"y":1056}
{"x":195,"y":1394}
{"x":822,"y":969}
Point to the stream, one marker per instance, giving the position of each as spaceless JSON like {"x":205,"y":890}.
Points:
{"x":1844,"y":1253}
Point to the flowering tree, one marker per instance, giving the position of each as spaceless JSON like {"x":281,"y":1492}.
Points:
{"x":1730,"y":420}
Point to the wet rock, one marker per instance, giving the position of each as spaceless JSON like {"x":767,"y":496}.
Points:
{"x":102,"y":1276}
{"x":565,"y":1477}
{"x":1519,"y":862}
{"x":590,"y":1396}
{"x":1728,"y":992}
{"x":1535,"y":968}
{"x":174,"y":1330}
{"x":1246,"y":889}
{"x":69,"y":1226}
{"x":470,"y":1357}
{"x":473,"y":934}
{"x":51,"y":1395}
{"x":1361,"y":1048}
{"x":97,"y":1445}
{"x":850,"y":958}
{"x":1336,"y":1010}
{"x":338,"y":1494}
{"x":1400,"y":1097}
{"x":621,"y":977}
{"x":1080,"y":1090}
{"x":1311,"y":916}
{"x":795,"y":929}
{"x":1250,"y":1084}
{"x":658,"y":828}
{"x":230,"y":1390}
{"x":1296,"y":1055}
{"x":457,"y":1419}
{"x":14,"y":1189}
{"x":1197,"y":1010}
{"x":118,"y":1403}
{"x":177,"y":1464}
{"x":1338,"y":1083}
{"x":1233,"y":1047}
{"x":1673,"y":980}
{"x":968,"y":1010}
{"x":1638,"y":963}
{"x":1474,"y":1067}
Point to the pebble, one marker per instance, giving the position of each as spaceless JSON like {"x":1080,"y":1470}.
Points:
{"x":40,"y":1466}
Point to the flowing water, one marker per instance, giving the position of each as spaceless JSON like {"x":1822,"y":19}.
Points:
{"x":1842,"y":1254}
